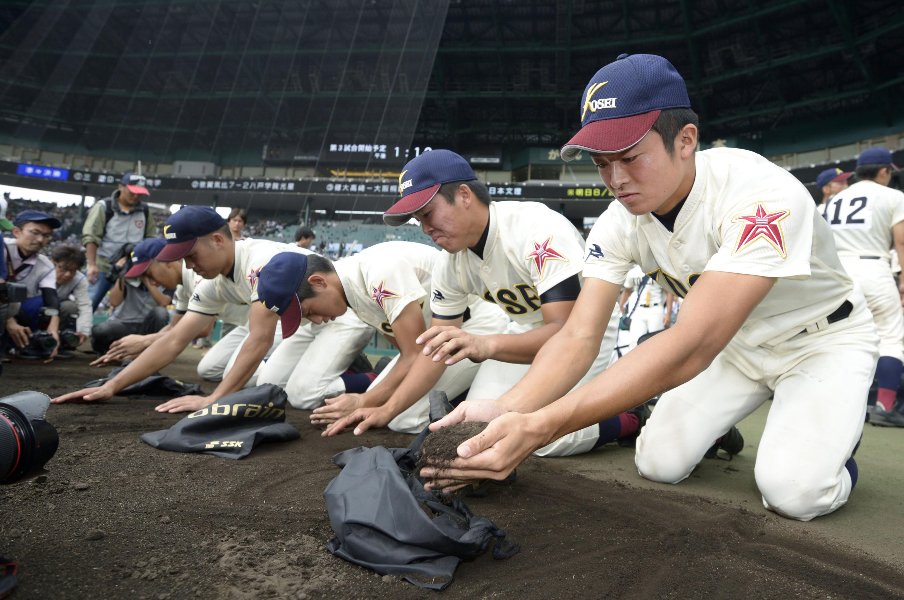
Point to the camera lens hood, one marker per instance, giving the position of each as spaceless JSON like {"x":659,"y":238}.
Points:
{"x":27,"y":440}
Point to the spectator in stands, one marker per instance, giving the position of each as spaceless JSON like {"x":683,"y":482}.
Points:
{"x":26,"y":265}
{"x":304,"y":236}
{"x":830,"y":182}
{"x":76,"y":314}
{"x":138,"y":304}
{"x":238,"y":220}
{"x":111,"y":226}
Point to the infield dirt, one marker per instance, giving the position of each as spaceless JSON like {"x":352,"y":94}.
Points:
{"x":114,"y":518}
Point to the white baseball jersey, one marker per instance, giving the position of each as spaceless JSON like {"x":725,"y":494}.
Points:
{"x":861,"y":218}
{"x":745,"y":215}
{"x":760,"y":221}
{"x":651,"y":294}
{"x":234,"y":314}
{"x":529,"y":250}
{"x":379,"y":282}
{"x":211,"y":296}
{"x":383,"y":279}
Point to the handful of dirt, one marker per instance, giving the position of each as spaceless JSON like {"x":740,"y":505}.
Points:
{"x":441,"y":447}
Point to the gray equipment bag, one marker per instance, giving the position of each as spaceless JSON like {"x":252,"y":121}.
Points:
{"x":384,"y":519}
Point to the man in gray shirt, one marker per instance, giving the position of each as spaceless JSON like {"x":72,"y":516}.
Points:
{"x":113,"y":223}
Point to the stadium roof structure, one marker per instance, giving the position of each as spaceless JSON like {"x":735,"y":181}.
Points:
{"x":250,"y":81}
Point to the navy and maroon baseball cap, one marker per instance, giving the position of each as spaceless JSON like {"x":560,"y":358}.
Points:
{"x":184,"y":227}
{"x":36,"y":216}
{"x":137,"y":184}
{"x":623,"y":100}
{"x":277,"y":288}
{"x":421,"y":179}
{"x":143,"y":253}
{"x":829,"y":175}
{"x":877,"y":156}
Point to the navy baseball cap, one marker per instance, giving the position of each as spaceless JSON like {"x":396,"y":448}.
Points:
{"x":144,"y":252}
{"x":830,"y":175}
{"x":623,"y":100}
{"x":421,"y":179}
{"x":277,"y":287}
{"x":876,"y":156}
{"x":137,"y":184}
{"x":184,"y":228}
{"x":36,"y":216}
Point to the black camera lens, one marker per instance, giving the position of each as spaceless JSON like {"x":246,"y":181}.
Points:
{"x":27,"y":441}
{"x":44,"y":342}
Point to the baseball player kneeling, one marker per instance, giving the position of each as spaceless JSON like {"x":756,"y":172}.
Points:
{"x":768,"y":311}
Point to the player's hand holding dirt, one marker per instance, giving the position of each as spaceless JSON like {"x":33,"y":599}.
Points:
{"x":185,"y":404}
{"x":451,"y":344}
{"x":492,"y":454}
{"x":92,"y":394}
{"x":337,"y":407}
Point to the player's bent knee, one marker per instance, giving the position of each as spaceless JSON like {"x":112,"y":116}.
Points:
{"x":801,"y":497}
{"x":211,"y":371}
{"x":665,"y":465}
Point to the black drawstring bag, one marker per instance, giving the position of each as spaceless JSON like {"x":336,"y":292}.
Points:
{"x":384,"y":519}
{"x":158,"y":386}
{"x":232,"y":426}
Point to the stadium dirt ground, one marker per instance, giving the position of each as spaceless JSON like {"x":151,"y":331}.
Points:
{"x":115,"y":518}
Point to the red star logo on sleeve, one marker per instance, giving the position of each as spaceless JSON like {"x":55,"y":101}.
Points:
{"x":380,"y":294}
{"x":253,"y":276}
{"x":763,"y":225}
{"x":542,"y":253}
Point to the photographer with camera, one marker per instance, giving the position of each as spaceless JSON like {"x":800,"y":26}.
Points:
{"x":138,"y":304}
{"x":111,"y":224}
{"x":33,"y":326}
{"x":76,"y":315}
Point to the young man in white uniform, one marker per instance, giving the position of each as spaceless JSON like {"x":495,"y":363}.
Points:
{"x":646,"y":304}
{"x":867,"y":219}
{"x":521,"y":256}
{"x":768,"y":310}
{"x":385,"y":286}
{"x":176,"y":275}
{"x":230,"y":270}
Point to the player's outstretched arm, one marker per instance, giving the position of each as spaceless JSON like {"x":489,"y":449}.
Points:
{"x":451,"y":344}
{"x":406,"y":327}
{"x":418,"y":381}
{"x":158,"y":355}
{"x":261,"y":329}
{"x":710,"y":316}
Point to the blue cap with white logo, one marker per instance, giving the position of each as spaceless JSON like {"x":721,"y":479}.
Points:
{"x":144,"y":252}
{"x":876,"y":156}
{"x":184,"y":227}
{"x":277,"y":287}
{"x":421,"y":179}
{"x":623,"y":100}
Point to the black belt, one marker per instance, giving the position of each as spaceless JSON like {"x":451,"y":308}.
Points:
{"x":841,"y":313}
{"x":869,"y":258}
{"x":650,"y":305}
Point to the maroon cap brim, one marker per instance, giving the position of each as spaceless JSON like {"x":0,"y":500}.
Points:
{"x":843,"y":176}
{"x":175,"y":251}
{"x":138,"y":269}
{"x":291,"y":318}
{"x":137,"y":189}
{"x":401,"y":211}
{"x":610,"y":135}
